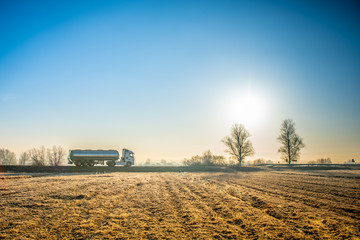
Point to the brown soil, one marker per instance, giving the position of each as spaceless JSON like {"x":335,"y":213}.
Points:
{"x":254,"y":205}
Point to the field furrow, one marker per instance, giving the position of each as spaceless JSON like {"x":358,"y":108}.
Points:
{"x":263,"y":205}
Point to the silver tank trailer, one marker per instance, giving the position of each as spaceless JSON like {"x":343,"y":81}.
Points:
{"x":101,"y":155}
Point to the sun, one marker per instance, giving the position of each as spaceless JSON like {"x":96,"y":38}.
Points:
{"x":247,"y":108}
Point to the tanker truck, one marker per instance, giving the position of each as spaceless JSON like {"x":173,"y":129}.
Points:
{"x":91,"y":157}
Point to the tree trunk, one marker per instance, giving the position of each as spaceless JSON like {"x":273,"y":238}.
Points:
{"x":288,"y":146}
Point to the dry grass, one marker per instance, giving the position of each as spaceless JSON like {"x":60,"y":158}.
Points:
{"x":265,"y":205}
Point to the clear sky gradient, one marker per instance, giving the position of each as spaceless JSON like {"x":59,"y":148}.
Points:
{"x":167,"y":79}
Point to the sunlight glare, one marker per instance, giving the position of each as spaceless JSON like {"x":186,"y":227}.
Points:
{"x":249,"y":109}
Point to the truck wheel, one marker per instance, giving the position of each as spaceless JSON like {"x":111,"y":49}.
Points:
{"x":83,"y":163}
{"x":91,"y":163}
{"x":77,"y":163}
{"x":128,"y":164}
{"x":110,"y":163}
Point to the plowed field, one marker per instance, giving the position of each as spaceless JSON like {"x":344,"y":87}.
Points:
{"x":257,"y":205}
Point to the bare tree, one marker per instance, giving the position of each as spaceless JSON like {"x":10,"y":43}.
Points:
{"x":324,"y":161}
{"x":193,"y":161}
{"x":269,"y":162}
{"x":238,"y":143}
{"x":291,"y":142}
{"x":37,"y":156}
{"x":212,"y":160}
{"x":24,"y":158}
{"x":207,"y":158}
{"x":55,"y":155}
{"x":259,"y":161}
{"x":147,"y":162}
{"x":7,"y":157}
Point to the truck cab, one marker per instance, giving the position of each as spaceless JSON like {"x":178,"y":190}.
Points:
{"x":127,"y":158}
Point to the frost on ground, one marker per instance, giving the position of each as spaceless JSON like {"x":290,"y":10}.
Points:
{"x":265,"y":205}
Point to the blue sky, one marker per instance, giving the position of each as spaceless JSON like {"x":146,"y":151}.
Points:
{"x":167,"y":79}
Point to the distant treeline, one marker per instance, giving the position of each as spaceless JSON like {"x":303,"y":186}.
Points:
{"x":208,"y":159}
{"x":56,"y":156}
{"x":41,"y":156}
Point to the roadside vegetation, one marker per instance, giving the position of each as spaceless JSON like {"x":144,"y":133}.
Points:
{"x":321,"y":161}
{"x":206,"y":159}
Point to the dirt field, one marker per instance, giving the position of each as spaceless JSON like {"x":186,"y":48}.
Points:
{"x":264,"y":205}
